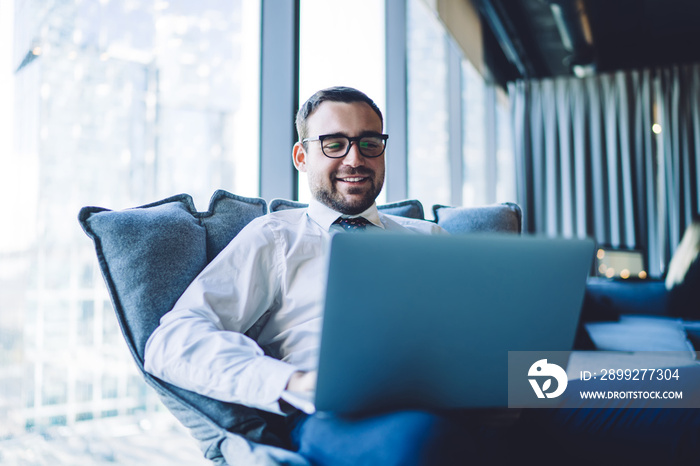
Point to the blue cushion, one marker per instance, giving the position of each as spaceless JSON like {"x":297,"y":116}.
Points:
{"x":608,"y":299}
{"x":641,"y":333}
{"x":148,"y":256}
{"x":503,"y":218}
{"x":410,"y":208}
{"x":227,"y":215}
{"x":285,"y":204}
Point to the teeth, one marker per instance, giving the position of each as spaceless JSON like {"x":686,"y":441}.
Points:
{"x":353,"y":179}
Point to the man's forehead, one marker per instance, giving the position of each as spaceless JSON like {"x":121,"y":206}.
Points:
{"x":332,"y":116}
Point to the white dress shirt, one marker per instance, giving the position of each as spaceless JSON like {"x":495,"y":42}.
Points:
{"x":252,"y":317}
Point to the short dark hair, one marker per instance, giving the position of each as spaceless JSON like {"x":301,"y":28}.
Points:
{"x":331,"y":94}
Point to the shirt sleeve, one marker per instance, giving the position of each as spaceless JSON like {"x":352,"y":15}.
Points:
{"x":200,"y":344}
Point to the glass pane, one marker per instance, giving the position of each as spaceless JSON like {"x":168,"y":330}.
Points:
{"x":505,"y":159}
{"x":113,"y":103}
{"x":475,"y":188}
{"x":428,"y":136}
{"x":342,"y":44}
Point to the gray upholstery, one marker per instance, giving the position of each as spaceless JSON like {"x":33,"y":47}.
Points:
{"x":285,"y":204}
{"x":150,"y":254}
{"x":505,"y":217}
{"x":168,"y":244}
{"x":410,"y":208}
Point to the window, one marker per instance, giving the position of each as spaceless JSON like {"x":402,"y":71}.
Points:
{"x":119,"y":103}
{"x":341,"y":44}
{"x":505,"y":158}
{"x":428,"y":134}
{"x":474,"y":152}
{"x":489,"y":164}
{"x":116,"y":103}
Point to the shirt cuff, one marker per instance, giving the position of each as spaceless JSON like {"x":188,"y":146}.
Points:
{"x":269,"y":378}
{"x":303,"y":401}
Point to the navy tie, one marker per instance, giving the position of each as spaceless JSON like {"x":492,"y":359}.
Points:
{"x":352,"y":224}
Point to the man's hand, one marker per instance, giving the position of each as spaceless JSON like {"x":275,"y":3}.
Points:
{"x":302,"y":381}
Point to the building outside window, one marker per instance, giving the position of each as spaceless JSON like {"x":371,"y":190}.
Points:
{"x":505,"y":158}
{"x":474,"y":152}
{"x":488,"y":160}
{"x":428,"y":135}
{"x":117,"y":103}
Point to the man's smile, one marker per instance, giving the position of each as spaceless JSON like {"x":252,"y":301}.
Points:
{"x":353,"y":179}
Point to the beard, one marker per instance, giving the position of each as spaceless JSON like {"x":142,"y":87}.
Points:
{"x":329,"y":195}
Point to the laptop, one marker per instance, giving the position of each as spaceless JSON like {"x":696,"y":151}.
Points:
{"x":424,"y":322}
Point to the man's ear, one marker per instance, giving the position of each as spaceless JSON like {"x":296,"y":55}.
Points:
{"x":299,"y":156}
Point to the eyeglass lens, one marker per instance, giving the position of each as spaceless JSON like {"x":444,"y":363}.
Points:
{"x":369,"y":146}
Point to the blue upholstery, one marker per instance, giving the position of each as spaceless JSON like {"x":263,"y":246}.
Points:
{"x":410,"y":208}
{"x":174,"y":243}
{"x":150,"y":254}
{"x":505,"y":217}
{"x":640,"y":333}
{"x":285,"y":204}
{"x":614,"y":301}
{"x":684,"y":298}
{"x":608,"y":299}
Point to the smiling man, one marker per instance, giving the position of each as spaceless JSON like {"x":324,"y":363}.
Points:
{"x":247,"y":330}
{"x":347,"y":181}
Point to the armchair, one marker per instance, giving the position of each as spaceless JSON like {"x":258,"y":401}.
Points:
{"x":148,"y":255}
{"x":675,"y":297}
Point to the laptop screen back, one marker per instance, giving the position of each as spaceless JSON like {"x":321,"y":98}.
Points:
{"x":417,"y":321}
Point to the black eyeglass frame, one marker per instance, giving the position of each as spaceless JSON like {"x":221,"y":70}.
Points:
{"x":351,"y":140}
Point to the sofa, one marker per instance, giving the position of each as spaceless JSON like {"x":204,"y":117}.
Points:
{"x":658,"y":314}
{"x":149,"y":254}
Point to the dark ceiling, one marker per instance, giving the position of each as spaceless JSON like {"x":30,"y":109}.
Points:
{"x":543,"y":38}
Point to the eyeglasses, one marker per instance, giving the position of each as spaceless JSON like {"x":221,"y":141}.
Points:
{"x":336,"y":146}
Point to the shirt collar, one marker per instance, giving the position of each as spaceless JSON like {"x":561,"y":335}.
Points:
{"x":325,"y":216}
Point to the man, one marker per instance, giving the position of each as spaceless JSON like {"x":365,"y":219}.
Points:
{"x":247,"y":329}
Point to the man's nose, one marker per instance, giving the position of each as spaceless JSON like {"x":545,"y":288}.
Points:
{"x":353,"y":157}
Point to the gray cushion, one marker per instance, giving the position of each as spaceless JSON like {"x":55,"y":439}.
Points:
{"x":498,"y":218}
{"x":148,"y":256}
{"x":410,"y":208}
{"x":285,"y":204}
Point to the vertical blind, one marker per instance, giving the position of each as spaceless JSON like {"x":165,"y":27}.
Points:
{"x":614,"y":157}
